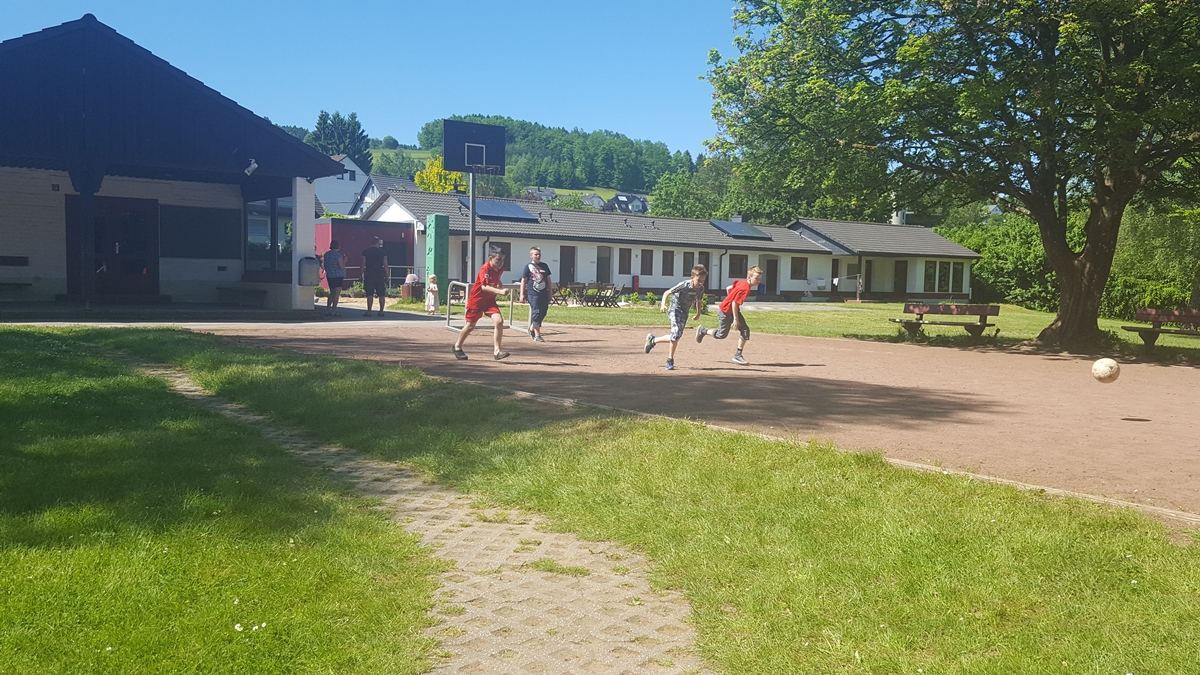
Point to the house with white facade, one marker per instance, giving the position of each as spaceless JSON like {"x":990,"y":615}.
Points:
{"x":339,"y":193}
{"x":124,"y":180}
{"x":375,"y":186}
{"x":805,"y":261}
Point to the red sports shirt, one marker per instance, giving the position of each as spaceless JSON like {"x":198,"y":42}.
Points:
{"x":479,"y":298}
{"x":738,"y":294}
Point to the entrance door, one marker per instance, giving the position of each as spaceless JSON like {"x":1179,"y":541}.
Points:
{"x":126,"y":245}
{"x":566,"y":265}
{"x":835,"y":272}
{"x":901,"y":279}
{"x":604,"y":264}
{"x":772,"y":279}
{"x":707,"y":262}
{"x":867,"y":276}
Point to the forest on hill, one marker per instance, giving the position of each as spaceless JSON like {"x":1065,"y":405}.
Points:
{"x":555,"y":157}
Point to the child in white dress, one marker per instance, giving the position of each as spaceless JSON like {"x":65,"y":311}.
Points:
{"x":431,"y":295}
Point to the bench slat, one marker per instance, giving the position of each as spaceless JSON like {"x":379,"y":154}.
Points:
{"x":957,"y":310}
{"x":1168,"y":315}
{"x":943,"y":323}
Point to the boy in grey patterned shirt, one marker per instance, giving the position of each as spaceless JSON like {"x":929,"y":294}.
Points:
{"x":683,"y":295}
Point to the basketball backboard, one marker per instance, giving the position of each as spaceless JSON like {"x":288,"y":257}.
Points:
{"x":472,"y":148}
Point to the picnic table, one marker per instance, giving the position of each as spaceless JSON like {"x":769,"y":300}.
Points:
{"x":975,"y":328}
{"x":1157,"y":317}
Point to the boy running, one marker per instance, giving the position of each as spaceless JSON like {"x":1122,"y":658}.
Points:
{"x":729,"y":313}
{"x":683,"y":295}
{"x":481,"y":302}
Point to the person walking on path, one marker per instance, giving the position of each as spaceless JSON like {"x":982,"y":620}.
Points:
{"x":375,"y":274}
{"x":683,"y":295}
{"x":334,"y":262}
{"x":481,"y":302}
{"x":431,"y":295}
{"x":536,"y":286}
{"x":729,"y":314}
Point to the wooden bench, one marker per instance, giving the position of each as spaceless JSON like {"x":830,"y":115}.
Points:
{"x":1157,"y":317}
{"x":975,"y":328}
{"x":242,"y":297}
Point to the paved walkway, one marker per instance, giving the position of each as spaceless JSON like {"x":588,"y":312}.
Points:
{"x":519,"y":599}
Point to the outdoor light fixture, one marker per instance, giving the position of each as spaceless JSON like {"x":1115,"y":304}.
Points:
{"x":253,"y":165}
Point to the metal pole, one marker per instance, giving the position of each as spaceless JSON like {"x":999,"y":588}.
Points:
{"x":470,"y":274}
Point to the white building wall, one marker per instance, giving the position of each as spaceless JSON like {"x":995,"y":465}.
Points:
{"x":33,"y":223}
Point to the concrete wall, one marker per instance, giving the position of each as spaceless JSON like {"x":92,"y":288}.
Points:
{"x":33,"y":224}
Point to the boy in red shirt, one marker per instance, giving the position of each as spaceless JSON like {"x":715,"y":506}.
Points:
{"x":481,"y":302}
{"x":729,"y":314}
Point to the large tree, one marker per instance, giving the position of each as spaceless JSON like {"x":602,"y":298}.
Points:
{"x":337,"y":135}
{"x":1043,"y":105}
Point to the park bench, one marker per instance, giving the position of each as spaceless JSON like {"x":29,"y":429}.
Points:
{"x":975,"y":328}
{"x":241,"y":297}
{"x":1157,"y":317}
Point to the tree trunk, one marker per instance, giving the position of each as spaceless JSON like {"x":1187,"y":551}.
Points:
{"x":1081,"y":276}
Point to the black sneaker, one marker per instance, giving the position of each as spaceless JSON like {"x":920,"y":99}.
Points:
{"x":701,"y":331}
{"x":737,"y":358}
{"x":500,"y":355}
{"x":459,"y":354}
{"x":670,"y":364}
{"x":538,"y":338}
{"x":533,"y":336}
{"x":649,"y":342}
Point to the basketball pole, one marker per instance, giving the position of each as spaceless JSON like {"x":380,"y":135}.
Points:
{"x":471,"y":229}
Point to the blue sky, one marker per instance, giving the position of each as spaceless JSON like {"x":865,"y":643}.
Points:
{"x":631,"y":67}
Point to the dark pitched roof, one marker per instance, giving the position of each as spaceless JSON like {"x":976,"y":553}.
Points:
{"x":616,"y":228}
{"x":91,"y":100}
{"x":853,"y":238}
{"x":393,"y":184}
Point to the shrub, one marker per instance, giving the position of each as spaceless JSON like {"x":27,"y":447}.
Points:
{"x":321,"y":292}
{"x":1124,"y":296}
{"x":355,"y":290}
{"x":651,"y":298}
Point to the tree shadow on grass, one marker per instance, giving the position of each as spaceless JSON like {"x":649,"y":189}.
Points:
{"x":87,"y":446}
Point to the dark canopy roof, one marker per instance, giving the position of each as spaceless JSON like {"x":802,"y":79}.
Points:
{"x":80,"y":97}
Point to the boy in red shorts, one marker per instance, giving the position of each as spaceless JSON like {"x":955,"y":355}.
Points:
{"x":729,"y":314}
{"x":481,"y":302}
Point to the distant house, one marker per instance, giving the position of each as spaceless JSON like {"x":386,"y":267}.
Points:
{"x":544,"y":194}
{"x":375,"y":187}
{"x":627,"y":203}
{"x":338,"y":192}
{"x":592,"y":199}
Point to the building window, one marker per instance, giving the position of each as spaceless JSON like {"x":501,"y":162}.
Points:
{"x":738,"y":264}
{"x":505,"y":248}
{"x":341,"y":176}
{"x":625,"y":261}
{"x":689,"y":261}
{"x":353,"y":175}
{"x":943,"y":282}
{"x":647,"y":262}
{"x":799,"y":268}
{"x":956,"y":280}
{"x":269,"y":234}
{"x":668,"y":265}
{"x":930,"y":276}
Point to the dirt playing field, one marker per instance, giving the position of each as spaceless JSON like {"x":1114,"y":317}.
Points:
{"x":1038,"y":419}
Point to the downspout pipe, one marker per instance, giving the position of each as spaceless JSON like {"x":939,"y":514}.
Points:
{"x":721,"y":268}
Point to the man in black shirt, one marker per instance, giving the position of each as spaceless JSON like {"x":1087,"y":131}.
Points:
{"x":375,"y":273}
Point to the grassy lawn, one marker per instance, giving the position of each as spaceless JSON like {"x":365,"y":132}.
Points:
{"x":140,"y":534}
{"x":870,"y":322}
{"x":796,"y":558}
{"x":606,"y":193}
{"x":418,"y":154}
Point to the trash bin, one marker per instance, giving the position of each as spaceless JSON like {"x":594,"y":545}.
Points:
{"x":310,"y":272}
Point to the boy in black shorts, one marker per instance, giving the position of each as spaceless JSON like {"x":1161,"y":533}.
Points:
{"x":729,"y":314}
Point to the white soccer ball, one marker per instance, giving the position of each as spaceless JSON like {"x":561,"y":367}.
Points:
{"x":1106,"y":371}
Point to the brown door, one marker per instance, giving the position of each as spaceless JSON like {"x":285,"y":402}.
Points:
{"x":901,"y":278}
{"x":126,"y":245}
{"x":706,"y":261}
{"x":835,"y":273}
{"x":604,"y":264}
{"x":566,"y":265}
{"x":867,"y":276}
{"x":772,"y":276}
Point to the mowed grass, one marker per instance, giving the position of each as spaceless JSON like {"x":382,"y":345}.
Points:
{"x":141,"y":534}
{"x":870,"y":322}
{"x":796,"y":558}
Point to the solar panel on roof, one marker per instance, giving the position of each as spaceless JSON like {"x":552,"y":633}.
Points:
{"x":488,"y":208}
{"x":739,"y":230}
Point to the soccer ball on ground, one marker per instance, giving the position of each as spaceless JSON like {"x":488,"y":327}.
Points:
{"x":1106,"y":371}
